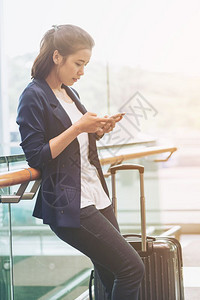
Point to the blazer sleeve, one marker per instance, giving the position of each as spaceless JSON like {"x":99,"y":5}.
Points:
{"x":31,"y":121}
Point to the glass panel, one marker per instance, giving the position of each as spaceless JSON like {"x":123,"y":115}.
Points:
{"x":128,"y":196}
{"x":4,"y":253}
{"x":5,"y":259}
{"x":43,"y":265}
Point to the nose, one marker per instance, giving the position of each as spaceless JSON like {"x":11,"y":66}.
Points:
{"x":81,"y":71}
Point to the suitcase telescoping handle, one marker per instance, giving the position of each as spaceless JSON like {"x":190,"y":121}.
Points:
{"x":140,"y":168}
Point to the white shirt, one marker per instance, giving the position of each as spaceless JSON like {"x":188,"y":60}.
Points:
{"x":92,"y":192}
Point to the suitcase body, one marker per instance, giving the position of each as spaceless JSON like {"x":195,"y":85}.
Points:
{"x":163,"y":279}
{"x":162,"y":257}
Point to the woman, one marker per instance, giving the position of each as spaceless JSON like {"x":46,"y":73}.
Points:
{"x":59,"y":138}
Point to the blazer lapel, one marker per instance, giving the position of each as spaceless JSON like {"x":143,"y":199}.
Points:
{"x":93,"y":156}
{"x":61,"y":114}
{"x":73,"y":95}
{"x":57,"y":108}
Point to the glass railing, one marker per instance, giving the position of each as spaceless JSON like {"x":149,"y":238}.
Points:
{"x":35,"y":264}
{"x":5,"y":272}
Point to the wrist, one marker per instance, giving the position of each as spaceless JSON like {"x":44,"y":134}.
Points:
{"x":98,"y":136}
{"x":77,"y":128}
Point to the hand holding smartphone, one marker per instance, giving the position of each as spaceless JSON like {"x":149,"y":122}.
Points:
{"x":117,"y":117}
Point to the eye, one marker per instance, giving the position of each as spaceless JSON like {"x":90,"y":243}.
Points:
{"x":79,"y":65}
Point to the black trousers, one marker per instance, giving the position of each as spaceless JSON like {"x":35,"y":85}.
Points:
{"x":119,"y":266}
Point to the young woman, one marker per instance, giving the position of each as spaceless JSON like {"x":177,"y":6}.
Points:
{"x":59,"y":138}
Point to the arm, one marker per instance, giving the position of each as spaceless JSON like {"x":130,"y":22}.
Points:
{"x":89,"y":123}
{"x":31,"y":121}
{"x":35,"y":123}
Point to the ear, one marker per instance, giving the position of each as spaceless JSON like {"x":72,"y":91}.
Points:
{"x":57,"y":58}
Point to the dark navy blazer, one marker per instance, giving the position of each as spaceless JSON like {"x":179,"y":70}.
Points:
{"x":41,"y":117}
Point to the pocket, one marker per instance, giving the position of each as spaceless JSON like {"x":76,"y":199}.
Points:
{"x":87,"y":211}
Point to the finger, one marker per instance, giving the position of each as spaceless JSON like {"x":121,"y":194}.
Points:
{"x":91,"y":114}
{"x":118,"y":119}
{"x":106,"y":120}
{"x":109,"y":128}
{"x":118,"y":115}
{"x":112,"y":122}
{"x":102,"y":124}
{"x":100,"y":130}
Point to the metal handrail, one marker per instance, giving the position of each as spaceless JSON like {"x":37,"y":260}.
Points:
{"x":19,"y":177}
{"x":24,"y":176}
{"x":31,"y":174}
{"x":138,"y":153}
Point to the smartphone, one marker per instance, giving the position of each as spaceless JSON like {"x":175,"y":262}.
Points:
{"x":118,"y":115}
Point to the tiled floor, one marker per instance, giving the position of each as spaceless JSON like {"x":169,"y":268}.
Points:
{"x":191,"y":263}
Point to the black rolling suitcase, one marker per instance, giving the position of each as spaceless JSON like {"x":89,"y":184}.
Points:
{"x":162,"y":256}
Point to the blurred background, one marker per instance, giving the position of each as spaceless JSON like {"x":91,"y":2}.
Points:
{"x":146,"y":50}
{"x":151,"y":47}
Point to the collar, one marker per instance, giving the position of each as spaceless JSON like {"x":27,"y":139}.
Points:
{"x":58,"y":110}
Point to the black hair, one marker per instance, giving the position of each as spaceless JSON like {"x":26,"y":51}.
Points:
{"x":67,"y":39}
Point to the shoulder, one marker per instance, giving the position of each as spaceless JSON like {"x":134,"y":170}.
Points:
{"x":33,"y":90}
{"x":34,"y":95}
{"x":32,"y":101}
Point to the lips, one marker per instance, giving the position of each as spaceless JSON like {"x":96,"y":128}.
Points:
{"x":75,"y":79}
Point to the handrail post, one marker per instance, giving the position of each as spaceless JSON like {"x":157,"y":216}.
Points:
{"x":10,"y":245}
{"x":11,"y":253}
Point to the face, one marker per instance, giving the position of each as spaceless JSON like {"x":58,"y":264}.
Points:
{"x":70,"y":70}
